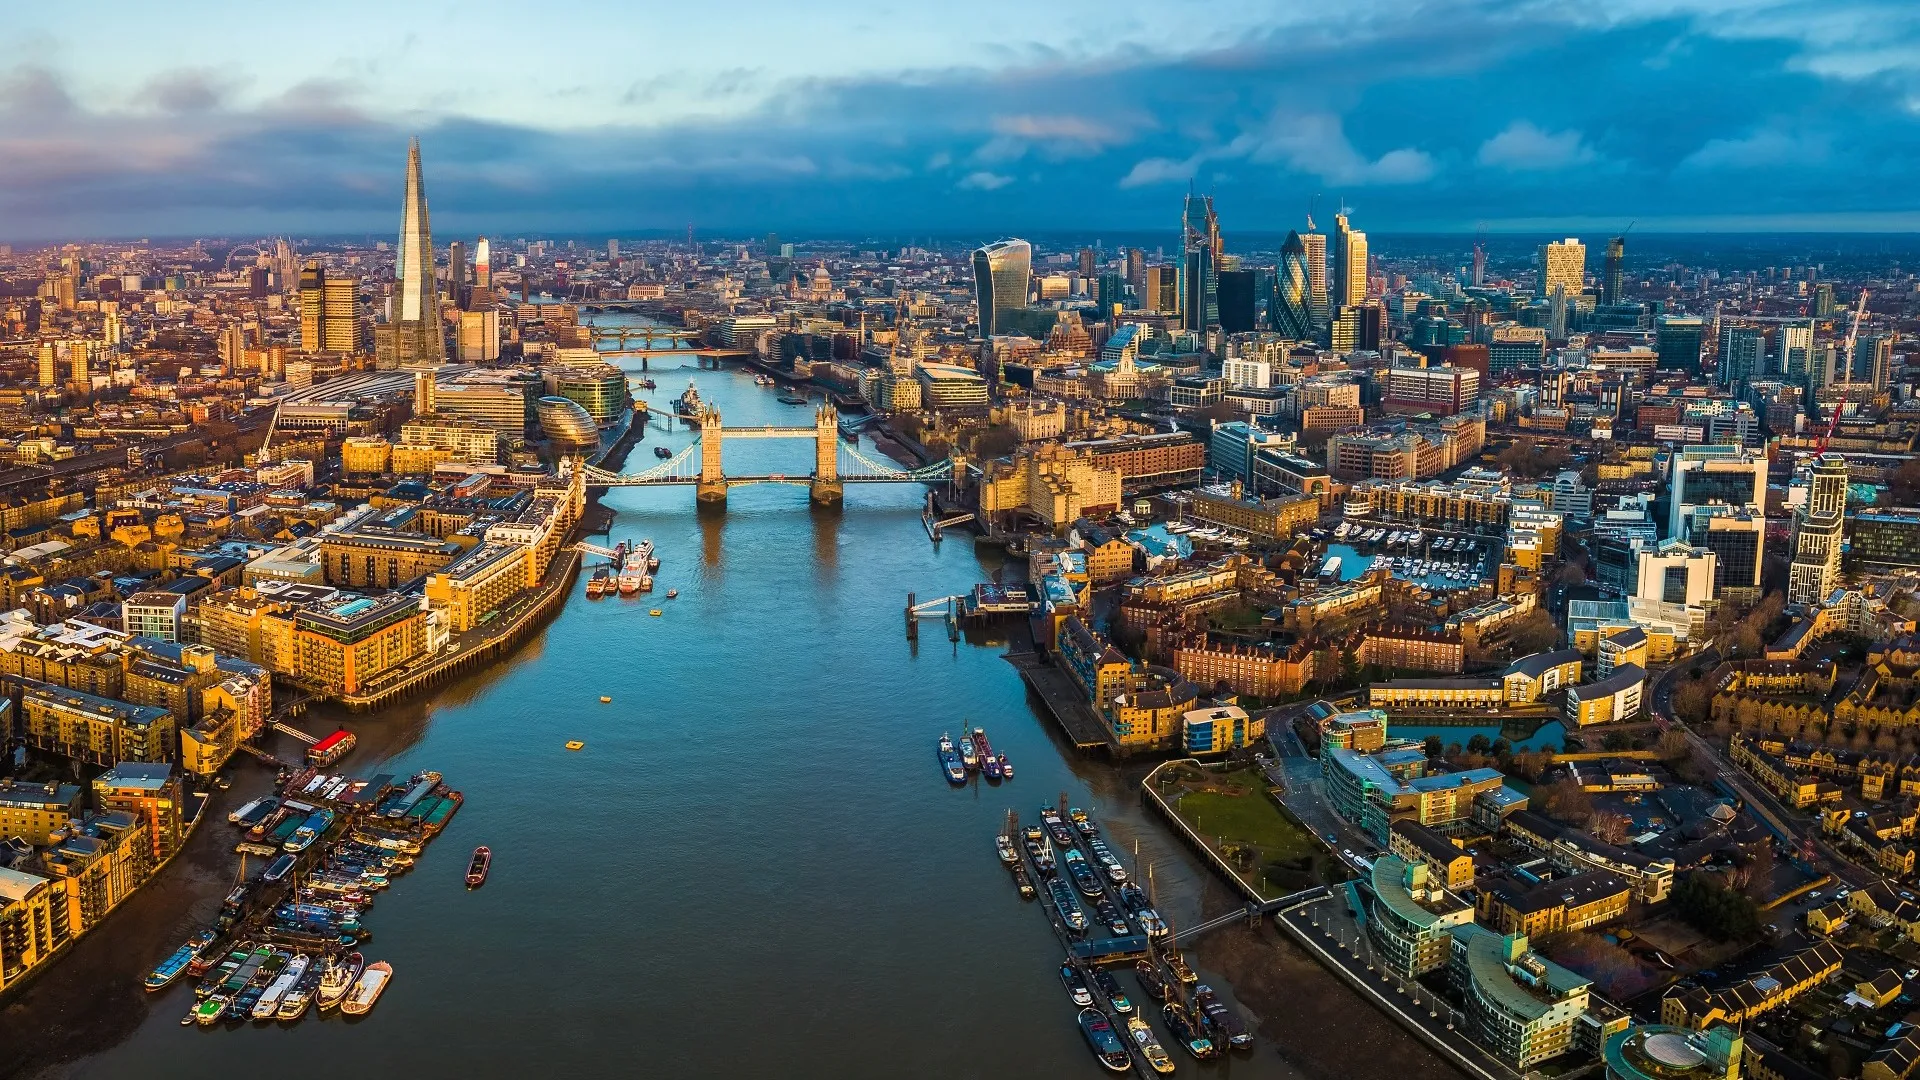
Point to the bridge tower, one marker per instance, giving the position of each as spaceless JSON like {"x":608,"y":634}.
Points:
{"x":826,"y":489}
{"x":712,"y":488}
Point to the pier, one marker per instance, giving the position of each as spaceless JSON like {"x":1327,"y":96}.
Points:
{"x":1065,"y":703}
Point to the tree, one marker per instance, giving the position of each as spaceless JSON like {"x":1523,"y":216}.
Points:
{"x":1566,"y":801}
{"x":1534,"y":632}
{"x":1479,"y":744}
{"x":1716,"y":911}
{"x":1692,"y":701}
{"x":995,"y":440}
{"x":1610,"y":826}
{"x":1433,"y":747}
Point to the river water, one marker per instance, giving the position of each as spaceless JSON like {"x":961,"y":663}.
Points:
{"x":754,"y":867}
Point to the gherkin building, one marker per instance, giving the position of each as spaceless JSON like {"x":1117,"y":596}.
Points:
{"x":1292,"y":309}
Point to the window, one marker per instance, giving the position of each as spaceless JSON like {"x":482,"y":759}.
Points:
{"x":1674,"y":588}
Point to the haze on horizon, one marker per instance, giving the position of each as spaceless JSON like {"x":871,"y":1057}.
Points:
{"x":124,"y":119}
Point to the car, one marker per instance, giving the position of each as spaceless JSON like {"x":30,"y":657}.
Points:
{"x":1905,"y":895}
{"x":1814,"y":895}
{"x":1346,"y":852}
{"x":1330,"y":839}
{"x":1912,"y":973}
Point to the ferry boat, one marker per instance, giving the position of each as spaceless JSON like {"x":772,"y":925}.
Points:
{"x":477,"y":869}
{"x":332,"y":748}
{"x":1105,"y":1041}
{"x":968,"y":756}
{"x":791,"y":399}
{"x":367,"y":989}
{"x":1150,"y":1047}
{"x":688,"y":406}
{"x":339,"y":978}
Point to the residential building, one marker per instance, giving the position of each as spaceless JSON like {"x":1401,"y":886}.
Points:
{"x":1521,"y":1007}
{"x":150,"y":792}
{"x":1663,"y":1052}
{"x":1447,"y":862}
{"x":1510,"y":905}
{"x":154,"y":613}
{"x":34,"y":812}
{"x":95,"y":730}
{"x":1413,"y":917}
{"x":1610,"y":700}
{"x":1817,"y":529}
{"x":1699,"y":1008}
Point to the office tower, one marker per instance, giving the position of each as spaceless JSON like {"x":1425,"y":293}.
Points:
{"x":423,"y":391}
{"x":1677,"y":341}
{"x":1111,"y":291}
{"x":1317,"y":304}
{"x":1200,"y":265}
{"x":1237,"y":306}
{"x":1137,"y":271}
{"x":1823,"y":300}
{"x":482,"y":266}
{"x":1086,"y":262}
{"x":613,"y":251}
{"x":48,"y":378}
{"x":1794,"y":351}
{"x":1000,"y":274}
{"x":1742,"y":354}
{"x":1343,"y":335}
{"x":418,"y":337}
{"x":479,"y":335}
{"x":232,"y":346}
{"x":1557,"y":313}
{"x":1162,"y":290}
{"x":1479,"y":264}
{"x":1817,"y":528}
{"x":329,"y":311}
{"x":1563,"y":264}
{"x":1349,"y":285}
{"x":1292,"y":310}
{"x":1614,"y":277}
{"x":1872,"y":360}
{"x":80,"y":352}
{"x":1717,"y":500}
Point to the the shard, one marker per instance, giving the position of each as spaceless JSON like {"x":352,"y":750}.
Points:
{"x":419,"y":338}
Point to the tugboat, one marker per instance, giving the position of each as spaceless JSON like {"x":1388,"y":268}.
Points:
{"x":1105,"y":1041}
{"x":340,"y":977}
{"x":671,"y":593}
{"x":477,"y":869}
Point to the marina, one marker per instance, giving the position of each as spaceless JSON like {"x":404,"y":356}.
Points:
{"x":1123,"y":933}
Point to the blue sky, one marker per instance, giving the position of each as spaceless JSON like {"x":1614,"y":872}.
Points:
{"x":120,"y":118}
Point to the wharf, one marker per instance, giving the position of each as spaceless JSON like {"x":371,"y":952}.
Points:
{"x":1065,"y":702}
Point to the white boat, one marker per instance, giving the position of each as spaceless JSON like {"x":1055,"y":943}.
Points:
{"x":367,"y":989}
{"x":294,"y":1005}
{"x":340,"y":976}
{"x":269,"y":1002}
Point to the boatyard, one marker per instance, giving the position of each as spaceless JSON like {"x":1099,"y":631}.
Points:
{"x":287,"y":940}
{"x":1105,"y":920}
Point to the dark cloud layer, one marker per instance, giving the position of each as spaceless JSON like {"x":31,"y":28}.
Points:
{"x":1432,"y":123}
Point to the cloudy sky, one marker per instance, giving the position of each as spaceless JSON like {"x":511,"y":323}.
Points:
{"x":120,"y":118}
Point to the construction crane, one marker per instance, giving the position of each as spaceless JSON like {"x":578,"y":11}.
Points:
{"x":1853,"y":339}
{"x":265,"y":456}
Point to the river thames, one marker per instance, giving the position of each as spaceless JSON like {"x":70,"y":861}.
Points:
{"x":754,"y":867}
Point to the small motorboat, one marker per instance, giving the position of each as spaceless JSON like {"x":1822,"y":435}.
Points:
{"x":1104,"y":981}
{"x":671,"y":593}
{"x":1076,"y":984}
{"x":662,"y":452}
{"x":606,"y":699}
{"x":340,"y":976}
{"x":1150,"y":1047}
{"x":1106,"y":1043}
{"x":210,"y":1010}
{"x":1009,"y":855}
{"x":477,"y":869}
{"x":1006,"y":768}
{"x":367,"y":989}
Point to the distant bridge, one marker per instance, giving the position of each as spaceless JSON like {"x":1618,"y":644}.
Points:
{"x":835,"y":463}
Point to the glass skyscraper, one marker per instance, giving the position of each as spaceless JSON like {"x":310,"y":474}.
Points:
{"x":1000,"y":274}
{"x":1293,"y":292}
{"x":419,"y":339}
{"x":1200,"y":268}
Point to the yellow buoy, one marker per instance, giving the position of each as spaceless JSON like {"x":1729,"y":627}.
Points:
{"x":575,"y":744}
{"x":655,"y":611}
{"x":604,"y":699}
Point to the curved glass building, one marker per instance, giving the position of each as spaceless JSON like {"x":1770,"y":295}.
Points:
{"x":601,"y":389}
{"x":1293,"y":292}
{"x":1001,"y":271}
{"x":566,"y":425}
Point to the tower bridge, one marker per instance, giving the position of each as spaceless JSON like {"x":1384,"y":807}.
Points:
{"x":835,"y":463}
